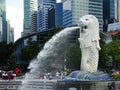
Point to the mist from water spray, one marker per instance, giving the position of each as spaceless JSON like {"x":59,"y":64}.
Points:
{"x":49,"y":56}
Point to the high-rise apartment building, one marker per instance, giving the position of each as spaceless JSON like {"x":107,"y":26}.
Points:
{"x":74,"y":9}
{"x":3,"y":16}
{"x":29,"y":7}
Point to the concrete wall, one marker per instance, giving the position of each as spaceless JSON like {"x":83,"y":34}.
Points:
{"x":87,"y":85}
{"x":33,"y":85}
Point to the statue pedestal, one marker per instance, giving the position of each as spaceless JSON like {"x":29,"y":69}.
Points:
{"x":84,"y":76}
{"x":82,"y":80}
{"x":87,"y":85}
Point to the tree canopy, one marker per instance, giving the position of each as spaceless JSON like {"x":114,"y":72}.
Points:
{"x":113,"y":49}
{"x":5,"y":52}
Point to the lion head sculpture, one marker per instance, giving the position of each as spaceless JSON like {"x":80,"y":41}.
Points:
{"x":89,"y":30}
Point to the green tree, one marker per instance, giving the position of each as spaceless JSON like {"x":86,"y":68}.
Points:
{"x":113,"y":49}
{"x":12,"y":62}
{"x":57,"y":29}
{"x":5,"y":52}
{"x":73,"y":57}
{"x":103,"y":55}
{"x":116,"y":37}
{"x":30,"y":51}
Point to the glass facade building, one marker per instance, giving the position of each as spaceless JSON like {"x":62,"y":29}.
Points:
{"x":59,"y":14}
{"x":74,"y":9}
{"x":112,"y":8}
{"x":108,"y":13}
{"x":29,"y":7}
{"x":96,"y":8}
{"x":43,"y":8}
{"x":34,"y":22}
{"x":51,"y":17}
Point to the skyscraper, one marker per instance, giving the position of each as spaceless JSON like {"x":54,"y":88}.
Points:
{"x":11,"y":34}
{"x":108,"y":13}
{"x":29,"y":7}
{"x":34,"y":22}
{"x":74,"y":9}
{"x":3,"y":16}
{"x":96,"y":8}
{"x":59,"y":14}
{"x":117,"y":9}
{"x":8,"y":31}
{"x":51,"y":17}
{"x":3,"y":8}
{"x":43,"y":9}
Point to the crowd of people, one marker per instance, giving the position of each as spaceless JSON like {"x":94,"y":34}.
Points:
{"x":8,"y":75}
{"x":50,"y":76}
{"x":5,"y":74}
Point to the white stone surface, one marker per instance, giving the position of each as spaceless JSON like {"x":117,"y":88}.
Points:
{"x":89,"y":42}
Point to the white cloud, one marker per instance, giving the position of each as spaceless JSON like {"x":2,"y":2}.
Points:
{"x":15,"y":16}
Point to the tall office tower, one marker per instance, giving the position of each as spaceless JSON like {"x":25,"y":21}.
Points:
{"x":34,"y":22}
{"x":29,"y":7}
{"x":74,"y":9}
{"x":117,"y":10}
{"x":11,"y":34}
{"x":4,"y":23}
{"x":51,"y":17}
{"x":108,"y":13}
{"x":43,"y":7}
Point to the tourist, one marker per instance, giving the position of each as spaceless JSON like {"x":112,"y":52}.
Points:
{"x":62,"y":75}
{"x":13,"y":75}
{"x":57,"y":75}
{"x":9,"y":76}
{"x":16,"y":71}
{"x":45,"y":77}
{"x":4,"y":75}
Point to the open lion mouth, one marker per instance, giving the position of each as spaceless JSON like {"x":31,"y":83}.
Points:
{"x":83,"y":28}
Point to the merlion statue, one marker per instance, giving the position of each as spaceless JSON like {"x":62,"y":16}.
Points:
{"x":89,"y":42}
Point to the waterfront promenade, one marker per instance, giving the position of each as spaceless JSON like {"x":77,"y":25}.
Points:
{"x":35,"y":84}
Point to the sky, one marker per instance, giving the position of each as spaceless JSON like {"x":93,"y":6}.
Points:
{"x":14,"y":13}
